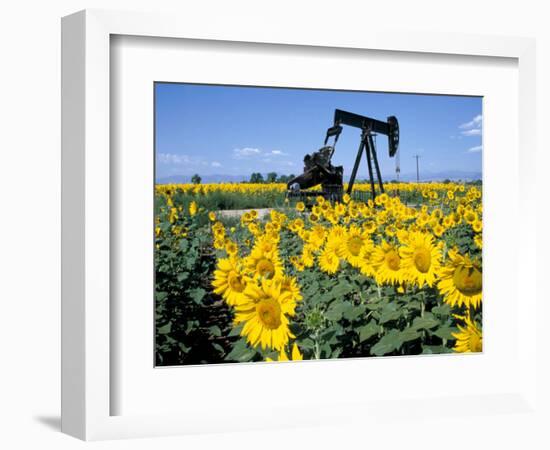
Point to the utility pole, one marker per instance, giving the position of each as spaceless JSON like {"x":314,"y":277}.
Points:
{"x":417,"y":171}
{"x":397,"y":164}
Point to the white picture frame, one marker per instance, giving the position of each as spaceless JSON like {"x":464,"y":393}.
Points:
{"x":86,"y":197}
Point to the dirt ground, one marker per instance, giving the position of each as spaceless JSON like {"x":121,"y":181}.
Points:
{"x":262,"y":212}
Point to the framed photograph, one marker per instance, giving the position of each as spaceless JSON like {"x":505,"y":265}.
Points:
{"x":288,"y":228}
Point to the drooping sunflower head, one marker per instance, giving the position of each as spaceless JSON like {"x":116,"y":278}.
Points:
{"x":461,"y":280}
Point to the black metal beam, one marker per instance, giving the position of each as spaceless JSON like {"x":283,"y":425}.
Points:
{"x":363,"y":122}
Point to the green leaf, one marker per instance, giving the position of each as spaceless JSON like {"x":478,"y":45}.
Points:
{"x":197,"y":294}
{"x":368,"y":331}
{"x":390,"y":342}
{"x":307,"y":344}
{"x":435,"y":349}
{"x":389,"y":312}
{"x":182,"y":276}
{"x":354,"y":312}
{"x":215,"y":330}
{"x":336,"y":310}
{"x":445,"y":332}
{"x":241,"y":352}
{"x":165,"y":329}
{"x":184,"y":245}
{"x":409,"y":334}
{"x":341,"y":290}
{"x":442,"y":311}
{"x":236,"y":331}
{"x":218,"y":347}
{"x":425,"y":323}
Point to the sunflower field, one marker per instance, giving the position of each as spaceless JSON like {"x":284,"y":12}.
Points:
{"x":400,"y":275}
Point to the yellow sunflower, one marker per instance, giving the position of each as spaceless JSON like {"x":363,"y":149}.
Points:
{"x":387,"y":264}
{"x":365,"y":264}
{"x":193,"y":208}
{"x":264,"y":310}
{"x":289,"y":284}
{"x":329,"y":261}
{"x":307,"y":256}
{"x":231,"y":248}
{"x":264,"y":264}
{"x":229,"y":280}
{"x":353,"y":242}
{"x":461,"y":280}
{"x":420,"y":259}
{"x":469,"y":339}
{"x":478,"y":240}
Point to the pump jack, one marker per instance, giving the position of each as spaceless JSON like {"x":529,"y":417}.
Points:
{"x":318,"y":168}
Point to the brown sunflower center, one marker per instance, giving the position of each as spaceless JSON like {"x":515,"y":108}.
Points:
{"x":422,"y":260}
{"x":269,"y":313}
{"x":265,"y":268}
{"x":468,"y":280}
{"x":392,"y":260}
{"x":235,"y":282}
{"x":354,"y":245}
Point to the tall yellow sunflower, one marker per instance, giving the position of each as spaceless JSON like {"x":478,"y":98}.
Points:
{"x":461,"y":280}
{"x":420,"y":259}
{"x":469,"y":339}
{"x":264,"y":310}
{"x":229,"y":280}
{"x":387,"y":263}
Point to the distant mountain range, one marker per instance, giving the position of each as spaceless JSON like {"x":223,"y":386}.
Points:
{"x":452,"y":175}
{"x":216,"y":178}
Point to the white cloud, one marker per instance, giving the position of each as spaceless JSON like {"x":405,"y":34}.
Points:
{"x":474,"y":123}
{"x":473,"y":127}
{"x":475,"y":149}
{"x":472,"y":132}
{"x":246,"y":152}
{"x":215,"y":164}
{"x":278,"y":153}
{"x":172,"y":158}
{"x":253,"y":152}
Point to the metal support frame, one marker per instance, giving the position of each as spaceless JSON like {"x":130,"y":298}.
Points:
{"x":367,"y":144}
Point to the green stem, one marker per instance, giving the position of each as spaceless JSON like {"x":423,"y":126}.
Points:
{"x":317,"y":350}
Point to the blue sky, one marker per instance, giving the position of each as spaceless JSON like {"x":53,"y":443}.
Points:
{"x":239,"y":130}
